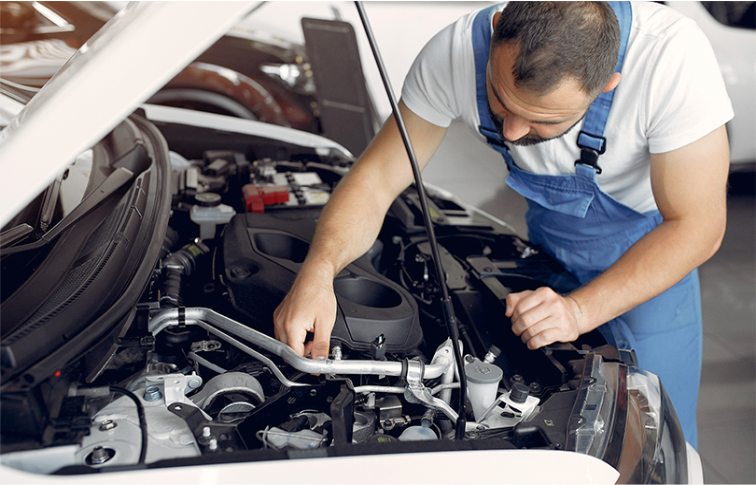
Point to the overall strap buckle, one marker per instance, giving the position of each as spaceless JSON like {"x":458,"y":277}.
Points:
{"x":591,"y":146}
{"x":589,"y":158}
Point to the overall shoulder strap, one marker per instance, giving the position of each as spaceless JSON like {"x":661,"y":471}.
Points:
{"x":591,"y":138}
{"x":481,"y":40}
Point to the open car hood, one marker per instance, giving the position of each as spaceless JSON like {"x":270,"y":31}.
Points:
{"x":147,"y":44}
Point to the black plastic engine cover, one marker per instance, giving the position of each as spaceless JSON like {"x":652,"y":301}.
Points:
{"x":261,"y":256}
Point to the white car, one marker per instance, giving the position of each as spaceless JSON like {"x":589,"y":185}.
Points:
{"x":143,"y":251}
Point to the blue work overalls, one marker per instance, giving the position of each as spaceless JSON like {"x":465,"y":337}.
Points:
{"x":587,"y":230}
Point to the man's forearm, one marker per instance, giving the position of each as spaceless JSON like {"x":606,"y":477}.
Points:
{"x":352,"y":219}
{"x":655,"y":263}
{"x":347,"y":228}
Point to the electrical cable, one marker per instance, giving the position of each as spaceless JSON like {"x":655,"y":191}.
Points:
{"x":142,"y":419}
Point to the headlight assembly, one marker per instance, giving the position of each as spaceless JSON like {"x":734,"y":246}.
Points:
{"x":624,"y":416}
{"x":654,"y":450}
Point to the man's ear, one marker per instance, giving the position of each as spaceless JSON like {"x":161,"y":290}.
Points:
{"x":496,"y":18}
{"x":613,"y":82}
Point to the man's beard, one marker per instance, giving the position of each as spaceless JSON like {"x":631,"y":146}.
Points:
{"x":531,"y":138}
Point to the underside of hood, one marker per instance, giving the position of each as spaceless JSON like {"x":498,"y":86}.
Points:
{"x":129,"y":59}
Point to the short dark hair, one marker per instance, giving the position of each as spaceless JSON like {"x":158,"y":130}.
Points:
{"x":558,"y":39}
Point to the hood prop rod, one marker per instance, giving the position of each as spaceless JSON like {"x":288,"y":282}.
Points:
{"x":446,"y":303}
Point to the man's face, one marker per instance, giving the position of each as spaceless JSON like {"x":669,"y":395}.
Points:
{"x":523,"y":118}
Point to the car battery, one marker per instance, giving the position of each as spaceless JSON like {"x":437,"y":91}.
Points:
{"x":287,"y":189}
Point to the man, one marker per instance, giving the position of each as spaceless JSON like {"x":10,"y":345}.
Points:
{"x":632,"y":224}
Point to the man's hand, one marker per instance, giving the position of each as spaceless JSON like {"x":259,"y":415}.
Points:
{"x":542,"y":317}
{"x":310,"y":306}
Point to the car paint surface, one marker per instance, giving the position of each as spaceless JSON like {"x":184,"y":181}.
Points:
{"x":482,"y":466}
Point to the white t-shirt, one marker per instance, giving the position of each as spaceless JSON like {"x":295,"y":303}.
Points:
{"x":671,"y":94}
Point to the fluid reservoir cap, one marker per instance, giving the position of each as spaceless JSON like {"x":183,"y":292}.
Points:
{"x":519,"y":393}
{"x":207,"y":199}
{"x":483,"y":373}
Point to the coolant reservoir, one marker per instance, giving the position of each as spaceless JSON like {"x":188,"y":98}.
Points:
{"x":482,"y":384}
{"x":418,"y":433}
{"x":208,"y":212}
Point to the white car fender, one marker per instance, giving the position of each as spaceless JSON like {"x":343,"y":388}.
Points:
{"x":481,"y":466}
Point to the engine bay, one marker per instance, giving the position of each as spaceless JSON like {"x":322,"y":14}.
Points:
{"x":192,"y":373}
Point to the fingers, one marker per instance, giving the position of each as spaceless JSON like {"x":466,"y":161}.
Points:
{"x":287,"y":330}
{"x":307,"y":308}
{"x":320,"y":345}
{"x":542,"y":317}
{"x":295,"y":338}
{"x":544,"y":338}
{"x":278,"y":329}
{"x":543,"y":333}
{"x":530,"y":307}
{"x":321,"y":342}
{"x":513,"y":299}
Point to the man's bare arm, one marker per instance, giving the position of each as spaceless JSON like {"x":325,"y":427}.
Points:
{"x":347,"y":228}
{"x":689,"y":186}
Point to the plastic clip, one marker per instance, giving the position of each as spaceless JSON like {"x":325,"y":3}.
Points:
{"x":589,"y":158}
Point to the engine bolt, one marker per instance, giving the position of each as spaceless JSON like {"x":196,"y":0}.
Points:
{"x":108,"y":425}
{"x":152,"y":394}
{"x":336,"y":352}
{"x":194,"y":382}
{"x":100,"y":455}
{"x":206,"y":436}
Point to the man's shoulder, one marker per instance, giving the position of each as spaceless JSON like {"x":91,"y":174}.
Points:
{"x":453,"y":43}
{"x":656,"y":20}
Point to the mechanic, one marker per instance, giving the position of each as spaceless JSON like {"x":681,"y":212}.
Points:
{"x":632,"y":224}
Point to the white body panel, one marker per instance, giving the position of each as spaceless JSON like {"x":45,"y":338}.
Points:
{"x":489,"y":466}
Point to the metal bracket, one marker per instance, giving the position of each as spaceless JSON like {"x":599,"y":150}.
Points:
{"x":417,"y":393}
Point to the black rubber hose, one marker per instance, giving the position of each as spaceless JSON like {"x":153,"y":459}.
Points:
{"x":142,"y":419}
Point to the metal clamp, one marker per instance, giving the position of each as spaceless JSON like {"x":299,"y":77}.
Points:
{"x":417,"y":393}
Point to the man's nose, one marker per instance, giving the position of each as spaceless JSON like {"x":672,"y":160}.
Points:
{"x":514,"y":127}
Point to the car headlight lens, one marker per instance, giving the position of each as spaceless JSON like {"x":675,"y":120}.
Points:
{"x":654,"y":448}
{"x":625,"y":417}
{"x":295,"y":76}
